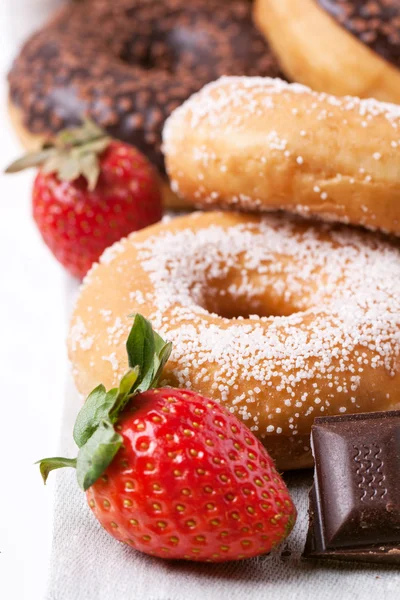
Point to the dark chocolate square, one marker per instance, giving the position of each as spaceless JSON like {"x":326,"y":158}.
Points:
{"x":355,"y":500}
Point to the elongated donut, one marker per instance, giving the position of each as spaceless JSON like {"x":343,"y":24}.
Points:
{"x":263,"y":144}
{"x":326,"y":339}
{"x":336,"y":46}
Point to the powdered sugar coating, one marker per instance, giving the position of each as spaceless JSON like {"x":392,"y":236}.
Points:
{"x":218,"y":108}
{"x":78,"y":336}
{"x":336,"y":350}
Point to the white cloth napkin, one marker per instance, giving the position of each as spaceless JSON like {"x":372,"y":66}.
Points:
{"x":87,"y":564}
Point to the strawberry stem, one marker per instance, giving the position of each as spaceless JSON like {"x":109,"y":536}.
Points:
{"x":73,"y":153}
{"x":94,"y":431}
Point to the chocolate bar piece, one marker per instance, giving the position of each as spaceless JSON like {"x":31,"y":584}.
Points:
{"x":355,"y":500}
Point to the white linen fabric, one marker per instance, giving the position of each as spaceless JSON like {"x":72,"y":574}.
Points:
{"x":87,"y":564}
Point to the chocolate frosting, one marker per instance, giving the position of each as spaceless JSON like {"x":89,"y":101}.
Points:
{"x":129,"y":63}
{"x":376,"y":23}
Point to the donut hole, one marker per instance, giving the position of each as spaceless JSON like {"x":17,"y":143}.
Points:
{"x":179,"y":51}
{"x":242,"y":309}
{"x":224,"y":302}
{"x":149,"y":53}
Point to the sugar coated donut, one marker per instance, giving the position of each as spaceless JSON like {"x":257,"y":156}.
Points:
{"x":128,"y":63}
{"x":264,"y":144}
{"x":336,"y":46}
{"x":326,"y":339}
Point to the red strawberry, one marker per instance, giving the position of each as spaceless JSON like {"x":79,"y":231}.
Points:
{"x":90,"y":192}
{"x":177,"y":476}
{"x":190,"y":482}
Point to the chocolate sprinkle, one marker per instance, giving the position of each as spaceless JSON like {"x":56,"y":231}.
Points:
{"x":376,"y":23}
{"x":127,"y":64}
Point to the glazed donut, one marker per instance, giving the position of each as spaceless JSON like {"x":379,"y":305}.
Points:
{"x":128,"y":63}
{"x":263,"y":144}
{"x":336,"y":46}
{"x":326,"y":339}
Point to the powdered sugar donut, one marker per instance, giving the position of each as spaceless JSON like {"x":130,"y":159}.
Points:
{"x":263,"y":144}
{"x":326,"y":339}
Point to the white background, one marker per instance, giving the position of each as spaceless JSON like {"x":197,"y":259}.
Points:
{"x":32,"y":353}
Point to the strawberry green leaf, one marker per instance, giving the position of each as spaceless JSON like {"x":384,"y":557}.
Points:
{"x":127,"y":387}
{"x":57,"y":462}
{"x":96,"y":408}
{"x":32,"y":159}
{"x":96,"y":455}
{"x":88,"y":131}
{"x":163,"y":357}
{"x":100,"y":404}
{"x":140,"y":347}
{"x":68,"y":169}
{"x":95,"y":146}
{"x":75,"y":152}
{"x":146,"y":348}
{"x":90,"y":169}
{"x":159,"y":343}
{"x":128,"y":381}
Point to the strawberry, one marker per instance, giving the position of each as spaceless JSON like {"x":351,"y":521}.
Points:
{"x":89,"y":192}
{"x":171,"y":473}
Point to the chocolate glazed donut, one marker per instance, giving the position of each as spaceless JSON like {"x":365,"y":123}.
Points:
{"x":337,"y":46}
{"x":376,"y":23}
{"x":129,"y":63}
